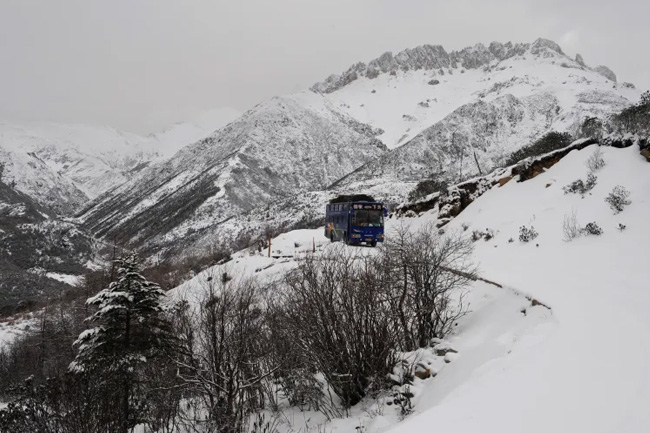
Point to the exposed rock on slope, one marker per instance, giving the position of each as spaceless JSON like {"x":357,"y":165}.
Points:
{"x":606,"y":72}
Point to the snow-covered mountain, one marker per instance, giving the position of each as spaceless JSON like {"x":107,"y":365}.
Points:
{"x":282,"y":147}
{"x":460,"y":113}
{"x":64,"y":166}
{"x":451,"y":114}
{"x":404,"y":94}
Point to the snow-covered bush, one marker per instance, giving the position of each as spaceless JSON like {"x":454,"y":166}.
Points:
{"x":618,"y":199}
{"x":595,"y":162}
{"x":487,"y":234}
{"x":402,"y":399}
{"x":621,"y":227}
{"x":580,"y":187}
{"x":527,"y":234}
{"x":593,"y":229}
{"x":577,"y":186}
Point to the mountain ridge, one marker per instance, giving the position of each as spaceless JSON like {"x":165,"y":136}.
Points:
{"x":435,"y":57}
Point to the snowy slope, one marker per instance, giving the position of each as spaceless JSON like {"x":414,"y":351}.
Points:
{"x":578,"y":366}
{"x":589,"y":373}
{"x":63,"y":166}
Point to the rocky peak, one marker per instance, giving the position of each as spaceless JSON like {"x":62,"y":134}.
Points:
{"x":543,"y":46}
{"x":580,"y":60}
{"x":435,"y":58}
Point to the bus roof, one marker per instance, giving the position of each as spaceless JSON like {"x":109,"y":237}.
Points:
{"x":353,"y":198}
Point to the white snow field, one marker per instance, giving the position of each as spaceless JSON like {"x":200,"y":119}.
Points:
{"x":580,"y":366}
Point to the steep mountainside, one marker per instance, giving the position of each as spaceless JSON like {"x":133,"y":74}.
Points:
{"x":64,"y":166}
{"x":39,"y":253}
{"x":280,"y":148}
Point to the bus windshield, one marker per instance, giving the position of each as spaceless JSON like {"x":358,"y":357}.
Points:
{"x":368,"y":218}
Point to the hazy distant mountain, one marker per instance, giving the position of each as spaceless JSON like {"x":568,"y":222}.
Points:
{"x":64,"y":166}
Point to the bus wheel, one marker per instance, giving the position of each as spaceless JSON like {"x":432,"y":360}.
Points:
{"x":373,"y":243}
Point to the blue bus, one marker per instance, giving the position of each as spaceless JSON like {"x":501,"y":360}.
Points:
{"x":354,"y":222}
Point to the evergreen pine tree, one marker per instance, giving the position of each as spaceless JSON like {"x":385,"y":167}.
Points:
{"x":130,"y":330}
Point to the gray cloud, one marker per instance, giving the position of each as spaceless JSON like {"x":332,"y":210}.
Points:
{"x":140,"y":65}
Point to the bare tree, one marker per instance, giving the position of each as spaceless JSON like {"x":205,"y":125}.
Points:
{"x":223,"y":359}
{"x":431,"y":273}
{"x":339,"y":314}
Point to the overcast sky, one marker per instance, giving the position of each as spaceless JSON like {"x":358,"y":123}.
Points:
{"x":142,"y":65}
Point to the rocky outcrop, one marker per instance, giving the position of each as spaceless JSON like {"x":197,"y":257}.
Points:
{"x":606,"y":72}
{"x":529,"y":169}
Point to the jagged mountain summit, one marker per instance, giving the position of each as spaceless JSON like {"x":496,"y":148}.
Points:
{"x":281,"y":147}
{"x":64,"y":166}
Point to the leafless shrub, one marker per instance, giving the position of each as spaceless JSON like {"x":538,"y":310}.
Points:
{"x":428,"y":274}
{"x":595,"y":162}
{"x":338,"y":311}
{"x":571,"y":227}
